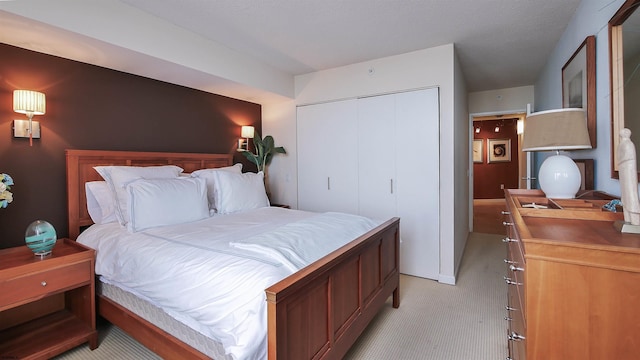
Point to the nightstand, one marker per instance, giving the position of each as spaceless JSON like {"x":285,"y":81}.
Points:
{"x":47,"y":306}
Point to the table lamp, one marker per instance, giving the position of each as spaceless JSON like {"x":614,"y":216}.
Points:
{"x":556,"y":130}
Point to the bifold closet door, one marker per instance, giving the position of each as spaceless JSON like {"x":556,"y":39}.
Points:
{"x":327,"y":137}
{"x":398,"y":161}
{"x":418,"y":174}
{"x":377,"y":156}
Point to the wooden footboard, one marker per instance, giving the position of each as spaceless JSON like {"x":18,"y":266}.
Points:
{"x":319,"y":312}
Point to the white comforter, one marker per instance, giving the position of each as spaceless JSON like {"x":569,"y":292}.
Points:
{"x":211,"y":274}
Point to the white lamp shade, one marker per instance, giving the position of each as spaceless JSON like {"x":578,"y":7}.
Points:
{"x":247,"y":132}
{"x":559,"y":177}
{"x":29,"y":102}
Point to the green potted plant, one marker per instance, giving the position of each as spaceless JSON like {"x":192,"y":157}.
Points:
{"x":265,"y":149}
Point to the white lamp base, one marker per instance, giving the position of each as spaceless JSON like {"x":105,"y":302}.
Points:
{"x":559,"y":177}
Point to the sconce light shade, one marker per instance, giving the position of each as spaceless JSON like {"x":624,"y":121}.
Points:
{"x":247,"y":132}
{"x":29,"y":102}
{"x":562,"y":129}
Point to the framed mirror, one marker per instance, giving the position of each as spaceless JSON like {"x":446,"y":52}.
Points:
{"x":624,"y":62}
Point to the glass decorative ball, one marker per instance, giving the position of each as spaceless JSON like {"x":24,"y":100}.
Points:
{"x":40,"y":237}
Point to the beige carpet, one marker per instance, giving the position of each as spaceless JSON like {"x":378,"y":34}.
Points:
{"x":444,"y":322}
{"x":434,"y":321}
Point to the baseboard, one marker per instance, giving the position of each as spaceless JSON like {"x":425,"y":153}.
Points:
{"x":445,"y":279}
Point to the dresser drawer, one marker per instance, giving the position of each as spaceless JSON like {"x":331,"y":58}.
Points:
{"x":515,"y":325}
{"x":36,"y":285}
{"x":516,"y":274}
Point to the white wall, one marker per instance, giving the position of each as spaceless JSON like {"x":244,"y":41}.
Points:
{"x":279,"y":121}
{"x":451,"y":257}
{"x":419,"y":69}
{"x":141,"y":44}
{"x":501,"y":100}
{"x":591,"y":18}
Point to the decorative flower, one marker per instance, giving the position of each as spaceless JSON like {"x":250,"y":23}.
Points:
{"x":5,"y":195}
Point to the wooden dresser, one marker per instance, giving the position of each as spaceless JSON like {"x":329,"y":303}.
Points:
{"x":573,"y":280}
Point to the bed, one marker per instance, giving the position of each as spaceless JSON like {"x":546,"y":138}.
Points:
{"x":317,"y":312}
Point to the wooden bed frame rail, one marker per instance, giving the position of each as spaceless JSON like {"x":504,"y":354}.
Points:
{"x":316,"y":313}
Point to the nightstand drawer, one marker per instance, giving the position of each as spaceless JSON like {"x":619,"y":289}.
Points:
{"x":40,"y":284}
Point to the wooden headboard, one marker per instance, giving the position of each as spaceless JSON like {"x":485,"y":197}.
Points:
{"x":80,"y":170}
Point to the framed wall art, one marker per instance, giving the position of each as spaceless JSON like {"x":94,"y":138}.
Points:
{"x":586,"y":173}
{"x":478,"y":150}
{"x":579,"y":83}
{"x":499,"y":150}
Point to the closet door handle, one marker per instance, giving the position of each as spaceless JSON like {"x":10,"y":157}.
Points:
{"x":328,"y":183}
{"x":391,"y":181}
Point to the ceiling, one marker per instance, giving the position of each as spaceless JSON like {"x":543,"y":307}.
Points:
{"x":499,"y":43}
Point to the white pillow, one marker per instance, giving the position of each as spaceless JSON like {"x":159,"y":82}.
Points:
{"x":100,"y":202}
{"x":160,"y":202}
{"x":238,"y":192}
{"x":119,"y":176}
{"x":209,"y":176}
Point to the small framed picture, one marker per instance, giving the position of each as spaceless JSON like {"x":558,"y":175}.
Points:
{"x":499,"y":150}
{"x":586,"y":173}
{"x":478,"y":150}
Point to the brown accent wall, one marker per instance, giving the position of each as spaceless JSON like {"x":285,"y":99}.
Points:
{"x":90,"y":107}
{"x":487,"y":177}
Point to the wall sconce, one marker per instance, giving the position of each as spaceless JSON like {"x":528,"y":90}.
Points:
{"x":247,"y":133}
{"x":29,"y":103}
{"x":520,"y":127}
{"x":497,"y":129}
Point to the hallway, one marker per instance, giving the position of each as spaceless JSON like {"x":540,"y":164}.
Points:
{"x":487,"y":216}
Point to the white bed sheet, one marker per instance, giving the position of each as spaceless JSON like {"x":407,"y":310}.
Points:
{"x":211,"y":274}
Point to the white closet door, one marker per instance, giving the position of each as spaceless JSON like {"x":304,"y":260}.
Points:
{"x":327,"y":157}
{"x":417,"y":163}
{"x":376,"y":156}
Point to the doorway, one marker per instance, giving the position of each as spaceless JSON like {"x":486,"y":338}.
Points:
{"x":497,"y":160}
{"x":487,"y":207}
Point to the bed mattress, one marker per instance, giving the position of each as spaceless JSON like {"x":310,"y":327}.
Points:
{"x":210,"y":275}
{"x":161,"y":319}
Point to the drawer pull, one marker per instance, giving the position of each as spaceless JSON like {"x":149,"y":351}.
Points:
{"x":44,"y":283}
{"x":515,"y":268}
{"x":514,"y":336}
{"x":509,"y":261}
{"x":506,"y":223}
{"x":508,"y":239}
{"x":511,"y":282}
{"x":509,"y":308}
{"x":505,"y":212}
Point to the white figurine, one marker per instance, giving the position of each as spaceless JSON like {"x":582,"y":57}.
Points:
{"x":627,"y":168}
